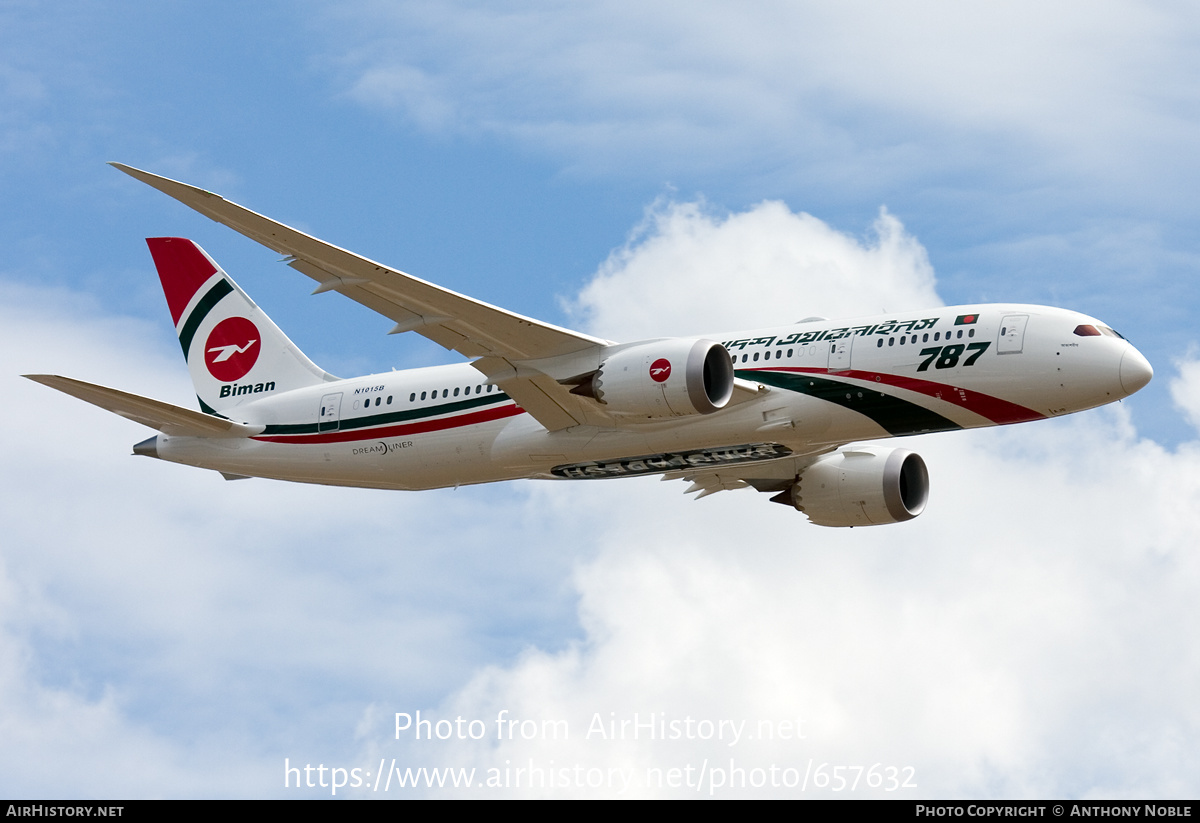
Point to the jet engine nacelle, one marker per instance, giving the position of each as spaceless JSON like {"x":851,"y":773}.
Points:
{"x":663,"y":378}
{"x":864,"y":486}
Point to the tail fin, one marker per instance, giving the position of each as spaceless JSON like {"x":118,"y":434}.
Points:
{"x":234,"y":352}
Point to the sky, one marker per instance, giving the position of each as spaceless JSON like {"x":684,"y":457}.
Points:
{"x":631,"y":170}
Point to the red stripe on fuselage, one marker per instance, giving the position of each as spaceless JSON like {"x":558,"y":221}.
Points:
{"x":995,"y":409}
{"x":440,"y":424}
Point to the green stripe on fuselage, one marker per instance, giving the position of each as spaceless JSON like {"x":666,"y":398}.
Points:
{"x":897,"y":417}
{"x":368,"y":420}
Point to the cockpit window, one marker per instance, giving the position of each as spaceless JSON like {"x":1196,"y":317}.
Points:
{"x":1088,"y":330}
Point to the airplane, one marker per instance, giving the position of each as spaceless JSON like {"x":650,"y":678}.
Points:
{"x":781,"y":410}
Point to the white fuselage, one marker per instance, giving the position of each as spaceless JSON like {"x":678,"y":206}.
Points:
{"x":827,"y":383}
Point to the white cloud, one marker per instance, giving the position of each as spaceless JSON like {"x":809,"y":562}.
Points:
{"x":673,"y":85}
{"x":1185,"y":390}
{"x":688,"y":271}
{"x":166,"y":633}
{"x":1029,"y":635}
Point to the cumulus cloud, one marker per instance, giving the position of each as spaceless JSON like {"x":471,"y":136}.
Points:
{"x":167,"y":633}
{"x":1028,"y":635}
{"x":686,"y":270}
{"x":1186,"y":390}
{"x":1025,"y":637}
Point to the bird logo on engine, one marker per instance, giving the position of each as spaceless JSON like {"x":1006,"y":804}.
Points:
{"x":660,"y":370}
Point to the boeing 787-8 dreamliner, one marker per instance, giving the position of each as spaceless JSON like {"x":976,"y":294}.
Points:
{"x":776,"y":409}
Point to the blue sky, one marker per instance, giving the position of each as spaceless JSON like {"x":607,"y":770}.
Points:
{"x":608,"y":166}
{"x":505,"y":153}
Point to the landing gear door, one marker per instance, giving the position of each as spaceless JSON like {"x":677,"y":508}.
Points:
{"x":839,"y":354}
{"x":331,"y":413}
{"x":1012,"y":334}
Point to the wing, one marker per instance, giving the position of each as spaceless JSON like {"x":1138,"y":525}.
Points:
{"x":499,"y":339}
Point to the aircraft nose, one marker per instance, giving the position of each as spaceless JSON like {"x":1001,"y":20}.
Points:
{"x":1136,"y":370}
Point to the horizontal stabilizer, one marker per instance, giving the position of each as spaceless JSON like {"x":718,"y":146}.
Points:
{"x":167,"y":418}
